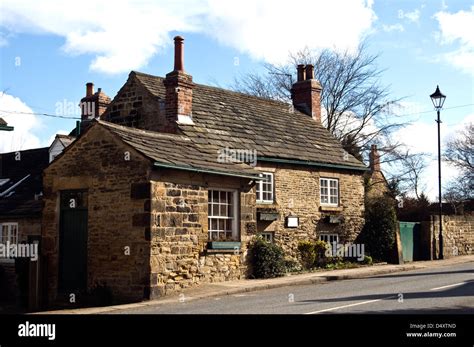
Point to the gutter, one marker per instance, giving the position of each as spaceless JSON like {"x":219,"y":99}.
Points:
{"x":14,"y":186}
{"x":6,"y":128}
{"x":311,"y":163}
{"x":258,"y":177}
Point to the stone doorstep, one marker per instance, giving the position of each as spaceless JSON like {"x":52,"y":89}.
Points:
{"x":210,"y":290}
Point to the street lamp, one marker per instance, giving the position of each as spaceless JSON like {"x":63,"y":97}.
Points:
{"x":438,"y":100}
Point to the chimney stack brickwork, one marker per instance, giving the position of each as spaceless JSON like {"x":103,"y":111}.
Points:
{"x":306,"y":92}
{"x":179,"y":90}
{"x":374,"y":159}
{"x":93,"y":105}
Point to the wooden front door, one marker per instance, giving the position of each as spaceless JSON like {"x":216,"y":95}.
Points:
{"x":73,"y":241}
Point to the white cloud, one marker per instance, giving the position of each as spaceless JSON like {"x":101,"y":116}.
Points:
{"x":413,"y":16}
{"x":125,"y":35}
{"x":22,"y":136}
{"x":393,"y":27}
{"x":458,"y":28}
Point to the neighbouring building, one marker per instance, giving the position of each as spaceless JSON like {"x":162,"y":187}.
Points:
{"x":166,"y":188}
{"x":376,"y":183}
{"x":59,"y":143}
{"x":20,"y":214}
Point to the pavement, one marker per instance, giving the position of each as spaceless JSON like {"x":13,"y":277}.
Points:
{"x":425,"y":286}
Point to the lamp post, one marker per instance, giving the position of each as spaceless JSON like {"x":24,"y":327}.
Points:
{"x":438,"y":100}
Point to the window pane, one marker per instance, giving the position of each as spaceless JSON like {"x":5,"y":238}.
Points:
{"x":223,"y":197}
{"x":324,"y":183}
{"x":223,"y":209}
{"x":215,"y":196}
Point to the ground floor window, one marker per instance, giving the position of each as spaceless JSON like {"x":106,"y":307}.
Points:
{"x":222,"y":215}
{"x":267,"y":236}
{"x":329,"y":238}
{"x":9,"y":233}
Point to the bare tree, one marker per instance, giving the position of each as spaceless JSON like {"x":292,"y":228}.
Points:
{"x":460,"y":151}
{"x":460,"y":154}
{"x":357,"y":108}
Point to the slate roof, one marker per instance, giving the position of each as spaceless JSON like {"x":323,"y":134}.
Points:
{"x":65,"y":140}
{"x":25,"y":176}
{"x":178,"y":151}
{"x":240,"y":121}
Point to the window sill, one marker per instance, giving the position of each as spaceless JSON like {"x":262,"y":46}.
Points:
{"x":7,"y":261}
{"x":223,"y":251}
{"x":331,"y":208}
{"x":230,"y":246}
{"x":265,"y":202}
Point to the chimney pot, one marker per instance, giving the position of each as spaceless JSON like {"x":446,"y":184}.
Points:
{"x":89,"y":89}
{"x":178,"y":53}
{"x":301,"y":72}
{"x":309,"y":72}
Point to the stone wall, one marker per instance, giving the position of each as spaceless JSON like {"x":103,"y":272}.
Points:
{"x":297,"y":193}
{"x":376,"y":184}
{"x":458,"y":236}
{"x":118,"y":213}
{"x":180,"y":257}
{"x":134,"y":106}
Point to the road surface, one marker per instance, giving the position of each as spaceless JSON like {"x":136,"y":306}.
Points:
{"x":438,"y":290}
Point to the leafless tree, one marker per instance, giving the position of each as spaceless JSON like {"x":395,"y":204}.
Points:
{"x":460,"y":151}
{"x":460,"y":154}
{"x":358,"y":109}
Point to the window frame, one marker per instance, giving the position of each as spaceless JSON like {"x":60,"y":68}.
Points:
{"x":259,"y":189}
{"x":9,"y":232}
{"x":234,"y":219}
{"x":328,"y":187}
{"x":328,"y":236}
{"x":267,"y":236}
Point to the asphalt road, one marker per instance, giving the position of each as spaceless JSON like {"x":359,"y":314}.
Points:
{"x":438,"y":290}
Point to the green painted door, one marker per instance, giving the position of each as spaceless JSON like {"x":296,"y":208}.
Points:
{"x":410,"y":235}
{"x":73,"y":241}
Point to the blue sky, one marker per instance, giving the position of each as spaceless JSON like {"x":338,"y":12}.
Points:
{"x":50,"y":49}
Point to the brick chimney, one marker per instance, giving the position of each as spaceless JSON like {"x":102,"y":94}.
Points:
{"x":306,"y":92}
{"x":179,"y":91}
{"x":93,"y":105}
{"x":374,"y":159}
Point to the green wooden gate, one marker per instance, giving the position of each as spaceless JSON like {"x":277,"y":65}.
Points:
{"x":410,"y":238}
{"x":73,"y":241}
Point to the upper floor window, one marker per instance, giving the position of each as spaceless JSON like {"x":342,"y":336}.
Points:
{"x":329,"y":191}
{"x":9,"y":233}
{"x":265,"y":188}
{"x":222,"y":215}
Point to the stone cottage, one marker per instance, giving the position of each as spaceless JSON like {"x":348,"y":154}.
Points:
{"x":166,"y":188}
